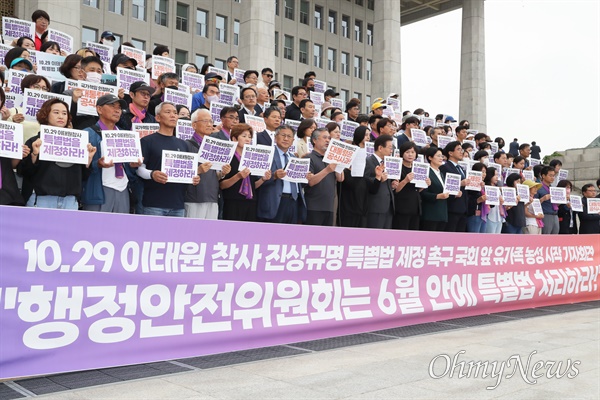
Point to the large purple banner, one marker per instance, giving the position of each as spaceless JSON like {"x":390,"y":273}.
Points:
{"x":82,"y":290}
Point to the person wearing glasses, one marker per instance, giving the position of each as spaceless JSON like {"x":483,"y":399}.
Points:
{"x":588,"y":223}
{"x":267,"y":76}
{"x":249,"y":106}
{"x":17,"y":114}
{"x":136,"y":112}
{"x":229,"y":119}
{"x":281,"y":201}
{"x":201,"y":201}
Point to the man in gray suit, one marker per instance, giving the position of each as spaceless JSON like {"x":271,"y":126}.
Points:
{"x":380,"y":206}
{"x":229,"y":118}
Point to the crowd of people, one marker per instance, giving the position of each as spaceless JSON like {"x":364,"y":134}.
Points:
{"x":331,"y":196}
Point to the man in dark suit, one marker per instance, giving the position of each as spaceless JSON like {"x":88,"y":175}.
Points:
{"x":457,"y":204}
{"x":229,"y":118}
{"x":380,"y":204}
{"x":272,"y":117}
{"x":588,"y":223}
{"x":279,"y":200}
{"x":293,"y":110}
{"x":249,"y":98}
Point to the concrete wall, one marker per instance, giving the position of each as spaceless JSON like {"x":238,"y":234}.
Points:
{"x":583,"y":165}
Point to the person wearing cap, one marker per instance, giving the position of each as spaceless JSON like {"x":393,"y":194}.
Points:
{"x":136,"y":112}
{"x":551,"y":224}
{"x":198,"y":99}
{"x":293,"y":110}
{"x":533,"y":222}
{"x":329,"y":94}
{"x":377,"y":108}
{"x":122,"y":61}
{"x":162,"y":198}
{"x":267,"y":77}
{"x":106,"y":188}
{"x":167,"y":80}
{"x":107,"y":38}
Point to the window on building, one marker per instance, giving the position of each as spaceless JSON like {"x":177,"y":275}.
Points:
{"x":138,"y":10}
{"x":331,"y":59}
{"x":303,"y":52}
{"x":344,"y":63}
{"x":346,"y":26}
{"x":288,"y":47}
{"x":115,"y":6}
{"x":221,"y":29}
{"x":276,"y":7}
{"x":289,"y":9}
{"x":118,"y":40}
{"x":181,"y":57}
{"x":220,"y":63}
{"x":358,"y":67}
{"x":357,"y":95}
{"x":318,"y":55}
{"x":161,"y":12}
{"x":88,"y":35}
{"x":358,"y":30}
{"x":304,"y":9}
{"x":201,"y":23}
{"x":200,"y":60}
{"x":370,"y":34}
{"x":288,"y":83}
{"x":181,"y":21}
{"x":276,"y":44}
{"x":91,"y":3}
{"x":344,"y":95}
{"x":236,"y":32}
{"x":139,"y":44}
{"x":359,"y":2}
{"x":332,"y":22}
{"x":371,"y":4}
{"x":369,"y":69}
{"x":368,"y":104}
{"x":318,"y":17}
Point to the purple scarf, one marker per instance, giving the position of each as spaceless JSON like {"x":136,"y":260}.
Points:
{"x":138,"y":115}
{"x":246,"y":187}
{"x":197,"y":138}
{"x":119,"y":171}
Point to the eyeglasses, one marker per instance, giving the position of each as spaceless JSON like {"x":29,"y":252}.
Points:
{"x":38,"y":87}
{"x":232,"y":117}
{"x":285,"y":136}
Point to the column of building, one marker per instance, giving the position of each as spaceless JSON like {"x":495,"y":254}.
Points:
{"x":386,"y":53}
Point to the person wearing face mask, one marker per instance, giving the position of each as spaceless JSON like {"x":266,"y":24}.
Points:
{"x":167,"y":80}
{"x":92,"y":71}
{"x":108,"y":39}
{"x":198,"y":99}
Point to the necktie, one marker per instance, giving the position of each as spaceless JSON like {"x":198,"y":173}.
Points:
{"x":460,"y":171}
{"x":293,"y":185}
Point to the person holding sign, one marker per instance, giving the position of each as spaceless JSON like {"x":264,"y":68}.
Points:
{"x":201,"y":201}
{"x":353,"y":196}
{"x":534,"y":216}
{"x":229,"y":118}
{"x":515,"y":215}
{"x":551,"y":226}
{"x":279,"y":200}
{"x":567,"y":220}
{"x":457,"y":204}
{"x":167,"y":80}
{"x":17,"y":114}
{"x":56,"y":184}
{"x":304,"y":134}
{"x":589,"y":222}
{"x":493,"y":215}
{"x":408,"y":124}
{"x":239,"y":187}
{"x":475,"y":201}
{"x":407,"y":196}
{"x":272,"y":117}
{"x":435,"y":201}
{"x":9,"y":190}
{"x":160,"y":197}
{"x":380,"y":199}
{"x":320,"y":191}
{"x":105,"y":189}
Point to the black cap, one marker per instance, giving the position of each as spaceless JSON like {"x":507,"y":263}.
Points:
{"x":212,"y":75}
{"x":110,"y":99}
{"x":140,"y":85}
{"x":121,"y":59}
{"x":107,"y":34}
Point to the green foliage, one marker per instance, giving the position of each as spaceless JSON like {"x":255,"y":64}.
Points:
{"x":551,"y":157}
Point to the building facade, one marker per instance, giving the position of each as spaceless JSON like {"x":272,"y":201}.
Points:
{"x":353,"y":45}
